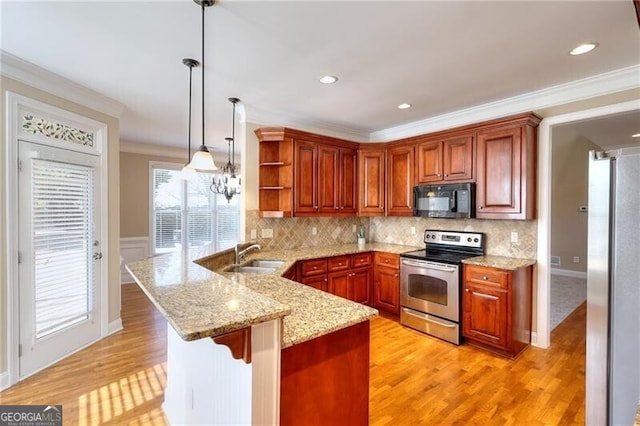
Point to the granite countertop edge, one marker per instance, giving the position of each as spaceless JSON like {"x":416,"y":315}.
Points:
{"x":175,"y":285}
{"x":500,"y":262}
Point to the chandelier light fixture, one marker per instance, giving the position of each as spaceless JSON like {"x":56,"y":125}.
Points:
{"x":202,"y":159}
{"x":188,"y":170}
{"x":228,"y":183}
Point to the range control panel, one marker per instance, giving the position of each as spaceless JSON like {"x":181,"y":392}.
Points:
{"x":454,"y":238}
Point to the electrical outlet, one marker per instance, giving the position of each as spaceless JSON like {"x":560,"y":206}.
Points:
{"x":267,"y":233}
{"x":576,"y":259}
{"x":413,"y":230}
{"x":353,"y":228}
{"x":514,"y":237}
{"x":314,"y":231}
{"x":254,"y":234}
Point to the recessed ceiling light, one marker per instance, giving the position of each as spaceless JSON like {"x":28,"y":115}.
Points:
{"x":583,"y":48}
{"x":637,"y":135}
{"x":404,"y":106}
{"x":328,"y":79}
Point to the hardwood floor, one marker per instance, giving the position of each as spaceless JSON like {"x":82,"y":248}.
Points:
{"x":415,"y":379}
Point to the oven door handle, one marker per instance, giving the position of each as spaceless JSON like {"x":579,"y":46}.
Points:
{"x":427,"y":318}
{"x":428,"y":265}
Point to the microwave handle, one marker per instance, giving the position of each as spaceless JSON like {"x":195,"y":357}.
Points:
{"x":454,"y":201}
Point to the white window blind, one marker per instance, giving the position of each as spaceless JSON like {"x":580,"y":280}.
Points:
{"x":62,"y":209}
{"x":187,"y":214}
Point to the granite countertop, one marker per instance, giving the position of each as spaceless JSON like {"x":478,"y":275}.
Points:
{"x":201,"y":303}
{"x":500,"y":262}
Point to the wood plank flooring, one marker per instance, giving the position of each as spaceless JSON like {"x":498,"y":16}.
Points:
{"x":415,"y":379}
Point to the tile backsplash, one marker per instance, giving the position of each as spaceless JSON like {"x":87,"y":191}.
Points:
{"x":297,"y":232}
{"x":397,"y":230}
{"x":292,"y":233}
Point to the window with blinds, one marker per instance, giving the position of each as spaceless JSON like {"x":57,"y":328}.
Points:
{"x":187,"y":214}
{"x":62,"y":209}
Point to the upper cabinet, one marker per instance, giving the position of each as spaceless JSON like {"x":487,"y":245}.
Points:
{"x":371,"y":181}
{"x":305,"y":174}
{"x":506,"y":163}
{"x":445,"y":159}
{"x":400,"y":181}
{"x":337,"y":180}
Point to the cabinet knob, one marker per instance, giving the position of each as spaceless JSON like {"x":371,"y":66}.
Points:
{"x":466,"y":290}
{"x":386,"y":261}
{"x":484,"y":277}
{"x":315,"y":207}
{"x":337,"y":208}
{"x":480,"y":207}
{"x":339,"y":263}
{"x":325,"y":280}
{"x":315,"y":267}
{"x":445,"y":175}
{"x":396,"y":275}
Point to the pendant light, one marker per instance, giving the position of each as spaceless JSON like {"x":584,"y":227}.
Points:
{"x":228,"y":184}
{"x":188,"y":170}
{"x":202,"y":159}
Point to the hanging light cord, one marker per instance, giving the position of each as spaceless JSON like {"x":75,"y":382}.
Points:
{"x":233,"y":139}
{"x":190,"y":86}
{"x":203,"y":73}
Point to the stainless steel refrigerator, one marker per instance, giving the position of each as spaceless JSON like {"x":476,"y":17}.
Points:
{"x":613,"y":287}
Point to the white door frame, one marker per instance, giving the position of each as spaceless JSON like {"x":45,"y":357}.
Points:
{"x":14,"y":103}
{"x":543,"y":318}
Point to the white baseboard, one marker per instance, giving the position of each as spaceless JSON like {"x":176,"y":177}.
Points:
{"x":534,"y":339}
{"x":114,"y":327}
{"x":4,"y":380}
{"x":132,"y":249}
{"x":568,"y":273}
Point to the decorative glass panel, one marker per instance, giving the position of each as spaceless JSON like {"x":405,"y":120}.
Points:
{"x":50,"y":129}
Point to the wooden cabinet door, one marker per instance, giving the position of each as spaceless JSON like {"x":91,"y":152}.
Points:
{"x":305,"y":171}
{"x":318,"y":282}
{"x":386,"y":290}
{"x":328,"y":179}
{"x":499,"y":173}
{"x":400,"y":181}
{"x":486,"y":315}
{"x":457,"y":158}
{"x":339,"y":284}
{"x":359,"y":285}
{"x":371,"y":182}
{"x":348,"y":182}
{"x":429,"y":158}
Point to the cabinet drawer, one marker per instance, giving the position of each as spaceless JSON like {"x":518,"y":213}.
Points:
{"x":360,"y":259}
{"x":387,"y":259}
{"x":313,"y":267}
{"x":487,"y":276}
{"x":338,"y":263}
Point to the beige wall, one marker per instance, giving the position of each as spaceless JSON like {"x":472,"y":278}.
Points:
{"x":569,"y":191}
{"x":134,"y":194}
{"x":112,"y":149}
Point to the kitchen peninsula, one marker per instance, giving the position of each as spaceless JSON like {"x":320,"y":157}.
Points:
{"x":304,"y":349}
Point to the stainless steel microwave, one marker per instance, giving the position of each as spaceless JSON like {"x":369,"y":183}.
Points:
{"x":454,"y":200}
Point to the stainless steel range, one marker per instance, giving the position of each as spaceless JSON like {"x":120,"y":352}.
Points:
{"x":431,"y":281}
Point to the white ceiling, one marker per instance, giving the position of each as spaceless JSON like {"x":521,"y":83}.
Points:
{"x":611,"y":132}
{"x":439,"y":56}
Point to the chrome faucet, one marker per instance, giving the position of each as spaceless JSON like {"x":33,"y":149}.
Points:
{"x":240,"y":254}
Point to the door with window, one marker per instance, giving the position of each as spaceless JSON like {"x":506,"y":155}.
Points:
{"x":59,"y":246}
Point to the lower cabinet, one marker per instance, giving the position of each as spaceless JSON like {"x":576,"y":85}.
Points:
{"x":347,"y":276}
{"x":386,"y":282}
{"x":497,"y":308}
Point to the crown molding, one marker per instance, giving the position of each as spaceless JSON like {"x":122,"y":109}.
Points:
{"x":278,"y":119}
{"x":578,"y":90}
{"x":25,"y":72}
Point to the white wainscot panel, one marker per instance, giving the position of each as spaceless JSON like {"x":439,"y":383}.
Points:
{"x":132,"y":249}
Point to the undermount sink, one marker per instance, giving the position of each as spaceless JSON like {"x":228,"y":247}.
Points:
{"x":250,"y":269}
{"x":261,"y":263}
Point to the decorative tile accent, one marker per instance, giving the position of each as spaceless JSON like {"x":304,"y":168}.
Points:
{"x":43,"y":127}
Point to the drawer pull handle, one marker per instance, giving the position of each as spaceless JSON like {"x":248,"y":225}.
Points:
{"x":485,"y":296}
